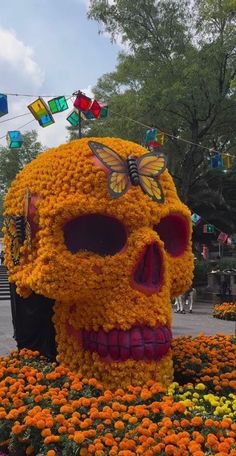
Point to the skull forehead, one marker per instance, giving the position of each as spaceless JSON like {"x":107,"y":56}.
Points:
{"x":68,"y":177}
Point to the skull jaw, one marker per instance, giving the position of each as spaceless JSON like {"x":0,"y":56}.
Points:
{"x":119,"y":365}
{"x":113,"y":374}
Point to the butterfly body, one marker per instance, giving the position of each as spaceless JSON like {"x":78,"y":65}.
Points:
{"x":133,"y":170}
{"x":142,"y":171}
{"x":20,"y":228}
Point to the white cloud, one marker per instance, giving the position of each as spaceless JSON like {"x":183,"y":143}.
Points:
{"x":17,"y":57}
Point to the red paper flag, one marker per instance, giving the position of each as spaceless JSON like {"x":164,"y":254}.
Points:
{"x":222,"y":237}
{"x":82,"y":102}
{"x":95,"y":108}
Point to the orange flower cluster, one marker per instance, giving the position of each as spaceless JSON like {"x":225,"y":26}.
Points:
{"x":225,"y":311}
{"x":207,"y":359}
{"x":94,"y":293}
{"x":46,"y":409}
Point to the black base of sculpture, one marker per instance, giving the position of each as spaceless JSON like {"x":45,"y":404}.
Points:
{"x":32,"y":323}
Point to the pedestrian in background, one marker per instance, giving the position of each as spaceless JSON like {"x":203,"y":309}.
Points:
{"x":2,"y":256}
{"x":179,"y":304}
{"x":189,"y":298}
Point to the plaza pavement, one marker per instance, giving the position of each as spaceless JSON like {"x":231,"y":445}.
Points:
{"x":199,"y":321}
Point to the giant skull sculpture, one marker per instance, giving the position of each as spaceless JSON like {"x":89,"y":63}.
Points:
{"x":111,"y":264}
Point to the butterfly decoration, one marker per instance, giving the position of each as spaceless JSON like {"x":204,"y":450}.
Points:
{"x":15,"y":229}
{"x":142,"y":171}
{"x":19,"y":230}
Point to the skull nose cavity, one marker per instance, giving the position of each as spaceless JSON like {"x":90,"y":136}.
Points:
{"x":147,"y":276}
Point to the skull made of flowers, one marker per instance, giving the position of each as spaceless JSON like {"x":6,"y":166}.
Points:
{"x":112,"y":264}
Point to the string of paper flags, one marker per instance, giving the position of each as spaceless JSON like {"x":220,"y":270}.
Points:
{"x":155,"y":138}
{"x":208,"y":228}
{"x":84,"y":107}
{"x":90,"y":109}
{"x":213,"y":153}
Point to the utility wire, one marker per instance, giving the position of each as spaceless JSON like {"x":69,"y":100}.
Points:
{"x":34,"y":96}
{"x":69,"y":97}
{"x":4,"y":136}
{"x":169,"y":135}
{"x":16,"y":117}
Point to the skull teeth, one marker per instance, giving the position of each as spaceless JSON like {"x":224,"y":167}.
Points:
{"x":139,"y":343}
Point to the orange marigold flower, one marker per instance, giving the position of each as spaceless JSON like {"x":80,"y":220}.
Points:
{"x":119,"y":425}
{"x":51,"y":439}
{"x":17,"y":428}
{"x":40,"y":424}
{"x":170,"y":449}
{"x":211,"y":439}
{"x":46,"y":432}
{"x":196,"y":421}
{"x":78,"y":437}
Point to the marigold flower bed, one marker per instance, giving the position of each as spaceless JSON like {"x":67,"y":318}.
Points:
{"x":46,"y":410}
{"x":225,"y":311}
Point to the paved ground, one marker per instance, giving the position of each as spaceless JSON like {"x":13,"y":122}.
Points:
{"x":7,"y":342}
{"x":200,"y":320}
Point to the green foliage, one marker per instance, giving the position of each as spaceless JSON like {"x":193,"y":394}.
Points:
{"x":200,"y":273}
{"x":227,"y":263}
{"x":13,"y":160}
{"x":202,"y":268}
{"x":177,"y":73}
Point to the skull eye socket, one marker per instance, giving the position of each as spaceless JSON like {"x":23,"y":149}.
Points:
{"x":174,"y":232}
{"x":95,"y":233}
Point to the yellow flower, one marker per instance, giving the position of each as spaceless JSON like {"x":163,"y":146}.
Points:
{"x":200,"y":387}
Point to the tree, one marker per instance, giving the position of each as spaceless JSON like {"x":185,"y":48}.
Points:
{"x":13,"y":160}
{"x":178,"y":74}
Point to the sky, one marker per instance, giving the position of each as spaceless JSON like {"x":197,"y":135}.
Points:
{"x":48,"y":47}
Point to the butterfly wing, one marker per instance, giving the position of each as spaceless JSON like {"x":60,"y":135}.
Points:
{"x":10,"y":224}
{"x":151,"y":165}
{"x":118,"y":180}
{"x":109,"y":158}
{"x":152,"y":187}
{"x":15,"y":251}
{"x":118,"y":184}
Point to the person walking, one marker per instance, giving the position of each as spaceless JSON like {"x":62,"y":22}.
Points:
{"x":189,"y":298}
{"x":179,"y":304}
{"x":2,"y":256}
